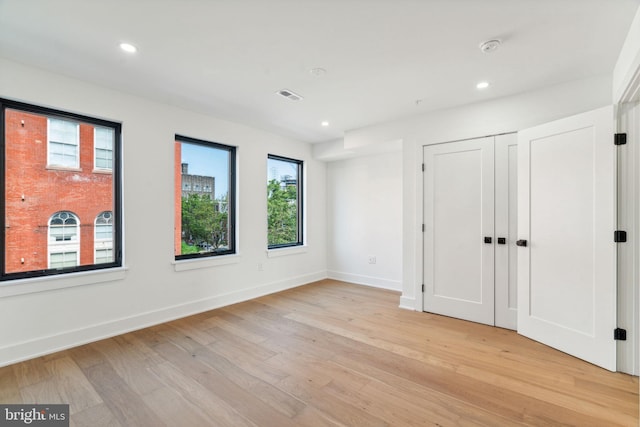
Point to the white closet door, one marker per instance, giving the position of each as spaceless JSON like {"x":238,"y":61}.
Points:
{"x":566,"y":212}
{"x":459,"y":213}
{"x":506,"y":255}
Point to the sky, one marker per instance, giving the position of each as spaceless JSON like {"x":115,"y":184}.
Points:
{"x":208,"y":161}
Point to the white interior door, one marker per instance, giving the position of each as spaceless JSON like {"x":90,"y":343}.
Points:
{"x":506,"y":228}
{"x":459,"y":213}
{"x":566,"y":213}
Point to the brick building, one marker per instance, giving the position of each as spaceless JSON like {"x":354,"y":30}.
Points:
{"x":58,"y":192}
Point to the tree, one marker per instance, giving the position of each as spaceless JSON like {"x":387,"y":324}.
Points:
{"x":202,"y":224}
{"x":282,"y":213}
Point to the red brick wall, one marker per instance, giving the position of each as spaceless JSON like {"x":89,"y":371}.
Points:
{"x":84,"y":192}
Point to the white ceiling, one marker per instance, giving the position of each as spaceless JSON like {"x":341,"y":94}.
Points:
{"x":230,"y":57}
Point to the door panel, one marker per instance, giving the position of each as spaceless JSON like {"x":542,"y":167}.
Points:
{"x":459,"y":212}
{"x":506,"y":261}
{"x":566,"y":207}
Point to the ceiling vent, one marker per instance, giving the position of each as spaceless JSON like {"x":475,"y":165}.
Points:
{"x":289,"y":95}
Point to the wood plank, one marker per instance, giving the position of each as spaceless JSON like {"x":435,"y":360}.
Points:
{"x":72,"y":385}
{"x":192,"y":391}
{"x":9,"y":389}
{"x":124,"y":403}
{"x":95,"y":416}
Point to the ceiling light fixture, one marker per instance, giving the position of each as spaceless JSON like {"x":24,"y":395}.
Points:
{"x":482,"y":85}
{"x":325,"y":123}
{"x":128,"y":47}
{"x":490,"y":45}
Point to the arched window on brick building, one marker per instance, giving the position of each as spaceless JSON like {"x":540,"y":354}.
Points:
{"x":64,"y":240}
{"x":103,"y":241}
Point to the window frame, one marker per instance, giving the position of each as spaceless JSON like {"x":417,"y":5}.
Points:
{"x":63,"y":246}
{"x":300,"y":202}
{"x":232,"y":238}
{"x":95,"y":153}
{"x":101,"y":244}
{"x":48,"y":113}
{"x":50,"y":164}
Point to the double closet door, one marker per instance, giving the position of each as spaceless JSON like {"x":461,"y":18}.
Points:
{"x":470,"y":218}
{"x":565,"y":205}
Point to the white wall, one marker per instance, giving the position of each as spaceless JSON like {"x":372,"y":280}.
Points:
{"x":497,"y":116}
{"x":364,"y":208}
{"x":150,"y":290}
{"x":626,"y":74}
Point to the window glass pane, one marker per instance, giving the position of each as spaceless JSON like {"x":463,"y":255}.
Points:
{"x":104,"y":255}
{"x":56,"y":218}
{"x":63,"y":143}
{"x":103,"y":142}
{"x":63,"y":259}
{"x":283,"y":201}
{"x":104,"y":226}
{"x":204,"y":191}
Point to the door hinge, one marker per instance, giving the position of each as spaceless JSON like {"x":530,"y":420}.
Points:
{"x":620,"y":236}
{"x":620,"y":138}
{"x":423,"y":288}
{"x":423,"y":167}
{"x":620,"y":334}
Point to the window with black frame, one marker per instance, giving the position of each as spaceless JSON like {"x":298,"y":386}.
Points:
{"x":284,"y":202}
{"x":205,"y":198}
{"x":61,"y":184}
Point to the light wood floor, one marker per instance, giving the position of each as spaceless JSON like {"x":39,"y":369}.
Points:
{"x":325,"y":354}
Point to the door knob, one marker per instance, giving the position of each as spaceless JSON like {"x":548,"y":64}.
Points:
{"x":521,"y":243}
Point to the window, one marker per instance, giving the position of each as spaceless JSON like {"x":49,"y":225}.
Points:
{"x":202,"y":228}
{"x":63,"y":143}
{"x":64,"y":241}
{"x":284,"y":202}
{"x":59,"y":215}
{"x":103,"y":240}
{"x":103,"y":143}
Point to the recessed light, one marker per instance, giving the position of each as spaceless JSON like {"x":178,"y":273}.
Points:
{"x":482,"y":85}
{"x":128,"y":47}
{"x":325,"y":123}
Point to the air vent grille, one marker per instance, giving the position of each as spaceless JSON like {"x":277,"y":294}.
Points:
{"x":289,"y":95}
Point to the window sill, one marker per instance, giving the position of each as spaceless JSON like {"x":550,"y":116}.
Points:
{"x":63,"y":168}
{"x":291,"y":250}
{"x":196,"y":263}
{"x":61,"y":281}
{"x":103,"y":171}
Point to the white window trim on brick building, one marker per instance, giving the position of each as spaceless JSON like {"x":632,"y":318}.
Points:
{"x":103,"y":247}
{"x":63,"y":145}
{"x":103,"y":148}
{"x":64,"y":240}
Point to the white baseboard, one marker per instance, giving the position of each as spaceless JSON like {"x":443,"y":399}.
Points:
{"x":408,"y":303}
{"x":376,"y":282}
{"x":19,"y":352}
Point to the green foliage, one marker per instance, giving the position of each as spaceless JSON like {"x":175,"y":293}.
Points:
{"x":188,"y":249}
{"x":202,"y":224}
{"x":282,"y":211}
